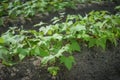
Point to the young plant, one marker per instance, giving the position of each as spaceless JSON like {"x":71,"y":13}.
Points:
{"x":55,"y":44}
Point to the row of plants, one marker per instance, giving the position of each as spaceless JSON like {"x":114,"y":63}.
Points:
{"x":55,"y":44}
{"x":21,"y":8}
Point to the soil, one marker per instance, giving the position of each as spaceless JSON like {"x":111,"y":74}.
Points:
{"x":91,"y":63}
{"x":96,"y":64}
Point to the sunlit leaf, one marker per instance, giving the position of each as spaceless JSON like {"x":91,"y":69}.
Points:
{"x":1,"y":40}
{"x":53,"y":70}
{"x":46,"y":59}
{"x":57,"y":36}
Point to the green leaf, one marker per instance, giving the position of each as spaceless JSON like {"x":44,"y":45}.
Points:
{"x":98,"y":41}
{"x":68,"y":61}
{"x":1,"y":40}
{"x":22,"y":53}
{"x":3,"y":53}
{"x":92,"y":42}
{"x":49,"y":32}
{"x":22,"y":56}
{"x":53,"y":70}
{"x":43,"y":53}
{"x":62,"y":50}
{"x":78,"y":27}
{"x":5,"y":5}
{"x":37,"y":51}
{"x":101,"y":42}
{"x":46,"y":59}
{"x":74,"y":46}
{"x":7,"y":63}
{"x":1,"y":21}
{"x":113,"y":40}
{"x":57,"y":36}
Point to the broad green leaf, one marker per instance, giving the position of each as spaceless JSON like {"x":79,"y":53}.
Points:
{"x":49,"y":32}
{"x":56,"y":47}
{"x":113,"y":40}
{"x":22,"y":56}
{"x":101,"y":42}
{"x":68,"y":61}
{"x":22,"y":53}
{"x":43,"y":53}
{"x":92,"y":42}
{"x":1,"y":40}
{"x":74,"y":46}
{"x":37,"y":50}
{"x":3,"y":53}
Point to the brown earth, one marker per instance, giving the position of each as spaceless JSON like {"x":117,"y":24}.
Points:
{"x":91,"y":63}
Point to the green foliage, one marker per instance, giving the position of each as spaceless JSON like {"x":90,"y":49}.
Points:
{"x":14,"y":9}
{"x":53,"y":70}
{"x":57,"y":42}
{"x":68,"y":61}
{"x":74,"y":46}
{"x":31,"y":7}
{"x":118,"y":9}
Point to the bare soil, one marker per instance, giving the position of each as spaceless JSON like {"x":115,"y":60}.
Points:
{"x":91,"y":63}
